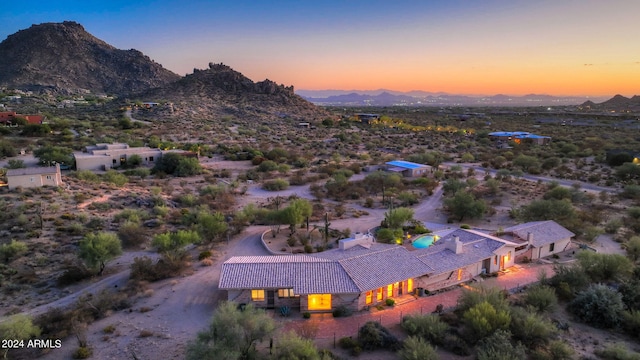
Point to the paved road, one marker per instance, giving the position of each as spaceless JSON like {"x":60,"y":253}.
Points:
{"x":563,"y":182}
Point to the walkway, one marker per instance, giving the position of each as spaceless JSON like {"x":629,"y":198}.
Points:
{"x":337,"y":328}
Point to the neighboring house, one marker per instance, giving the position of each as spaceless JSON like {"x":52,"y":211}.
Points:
{"x":34,"y":177}
{"x":7,"y":117}
{"x":108,"y":156}
{"x":539,"y":239}
{"x":519,"y":137}
{"x":362,"y":273}
{"x":407,"y":168}
{"x":367,"y":118}
{"x":35,"y":119}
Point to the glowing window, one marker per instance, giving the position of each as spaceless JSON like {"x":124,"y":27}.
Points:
{"x":369,"y":297}
{"x":379,"y":294}
{"x":257,"y":295}
{"x":410,"y":285}
{"x":459,"y":274}
{"x":389,"y":291}
{"x":319,"y":301}
{"x":286,"y":293}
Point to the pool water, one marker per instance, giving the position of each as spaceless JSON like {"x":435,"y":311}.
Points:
{"x":423,"y":241}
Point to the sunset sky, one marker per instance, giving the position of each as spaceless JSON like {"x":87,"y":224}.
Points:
{"x":556,"y":47}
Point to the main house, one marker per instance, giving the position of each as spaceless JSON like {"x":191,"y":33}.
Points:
{"x":361,"y":272}
{"x":34,"y":177}
{"x":108,"y":156}
{"x":538,"y":239}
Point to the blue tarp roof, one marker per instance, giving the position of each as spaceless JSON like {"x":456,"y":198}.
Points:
{"x":405,"y":164}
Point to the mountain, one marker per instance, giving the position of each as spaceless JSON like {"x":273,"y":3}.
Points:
{"x":617,"y":103}
{"x":224,"y":91}
{"x":65,"y":58}
{"x":422,"y":98}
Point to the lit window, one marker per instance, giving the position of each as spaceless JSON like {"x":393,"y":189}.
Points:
{"x":389,"y":291}
{"x":257,"y":295}
{"x":319,"y":301}
{"x":286,"y":293}
{"x":410,"y":285}
{"x":552,"y":246}
{"x":379,"y":294}
{"x":369,"y":298}
{"x":459,"y":274}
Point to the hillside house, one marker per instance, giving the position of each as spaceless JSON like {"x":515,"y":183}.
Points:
{"x":108,"y":156}
{"x":538,"y":239}
{"x":34,"y":177}
{"x":407,"y":168}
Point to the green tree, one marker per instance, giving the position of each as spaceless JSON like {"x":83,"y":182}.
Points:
{"x":483,"y":319}
{"x":633,"y":248}
{"x":96,"y":249}
{"x":49,"y":154}
{"x":464,"y":205}
{"x":293,"y":347}
{"x":188,"y":166}
{"x":294,"y":214}
{"x":397,"y":218}
{"x":17,"y":327}
{"x":531,"y":328}
{"x":415,"y":348}
{"x":16,"y":164}
{"x":211,"y":227}
{"x":232,"y":334}
{"x":428,"y":327}
{"x":174,"y":242}
{"x":543,"y":298}
{"x":134,"y":161}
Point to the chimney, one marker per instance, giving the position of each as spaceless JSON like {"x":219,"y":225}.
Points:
{"x":529,"y":238}
{"x":454,"y":244}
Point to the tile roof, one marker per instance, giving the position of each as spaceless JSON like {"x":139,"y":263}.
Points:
{"x":544,"y":232}
{"x":476,"y":247}
{"x":358,"y":268}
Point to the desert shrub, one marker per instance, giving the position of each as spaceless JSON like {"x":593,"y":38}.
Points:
{"x":604,"y":267}
{"x":275,"y":185}
{"x":341,"y":311}
{"x":631,"y":322}
{"x":145,"y":269}
{"x":612,"y":226}
{"x":598,"y":305}
{"x":483,"y":319}
{"x":543,"y":298}
{"x":616,"y":351}
{"x":499,"y":347}
{"x":56,"y":323}
{"x":73,"y":274}
{"x":87,"y":175}
{"x":347,"y":343}
{"x":99,"y":305}
{"x":630,"y":291}
{"x":374,"y":336}
{"x":415,"y":348}
{"x":428,"y":327}
{"x":568,"y":280}
{"x":204,"y":255}
{"x":390,"y":302}
{"x":132,"y":234}
{"x":293,"y":346}
{"x":114,"y":177}
{"x":456,"y":345}
{"x":12,"y":250}
{"x":82,"y":352}
{"x":479,"y":294}
{"x":530,"y":328}
{"x":388,"y":236}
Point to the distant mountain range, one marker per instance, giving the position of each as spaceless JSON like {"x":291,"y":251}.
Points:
{"x":617,"y":103}
{"x":383,"y":97}
{"x":63,"y":58}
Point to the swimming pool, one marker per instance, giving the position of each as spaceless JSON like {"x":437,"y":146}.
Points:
{"x":424,"y":241}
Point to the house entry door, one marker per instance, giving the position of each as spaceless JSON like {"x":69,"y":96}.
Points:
{"x":270,"y":299}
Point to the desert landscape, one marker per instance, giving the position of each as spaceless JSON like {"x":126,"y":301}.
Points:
{"x":149,"y":215}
